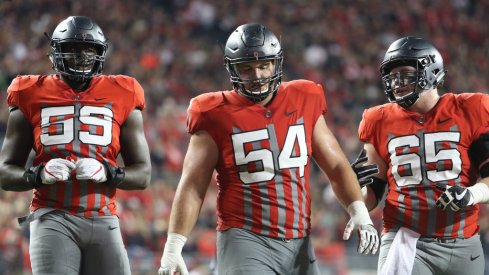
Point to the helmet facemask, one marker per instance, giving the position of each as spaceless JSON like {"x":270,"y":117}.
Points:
{"x":406,"y":82}
{"x":256,"y":89}
{"x":78,"y":61}
{"x":416,"y":80}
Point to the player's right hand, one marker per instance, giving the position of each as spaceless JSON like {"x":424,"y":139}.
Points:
{"x":367,"y":234}
{"x":172,"y":261}
{"x":364,"y":172}
{"x":56,"y":170}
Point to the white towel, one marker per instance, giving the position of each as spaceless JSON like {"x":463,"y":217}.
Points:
{"x":400,"y":258}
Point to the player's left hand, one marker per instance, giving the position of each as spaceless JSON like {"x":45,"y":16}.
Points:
{"x":367,"y":234}
{"x":457,"y":197}
{"x":364,"y":172}
{"x":90,"y":169}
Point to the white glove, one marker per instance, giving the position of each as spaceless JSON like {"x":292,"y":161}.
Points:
{"x":90,"y":169}
{"x":56,"y":170}
{"x":172,"y":260}
{"x":360,"y":220}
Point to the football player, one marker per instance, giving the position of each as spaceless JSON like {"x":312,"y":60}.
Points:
{"x":261,"y":137}
{"x":430,"y":151}
{"x":77,"y":121}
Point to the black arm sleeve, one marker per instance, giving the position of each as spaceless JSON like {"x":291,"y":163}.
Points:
{"x":484,"y":170}
{"x":378,"y":187}
{"x":479,"y":150}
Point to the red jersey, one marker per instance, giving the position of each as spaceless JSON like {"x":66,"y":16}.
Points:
{"x":422,"y":150}
{"x":264,"y":157}
{"x":71,"y":125}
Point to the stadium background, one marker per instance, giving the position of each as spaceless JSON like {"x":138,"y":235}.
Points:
{"x":173,"y":47}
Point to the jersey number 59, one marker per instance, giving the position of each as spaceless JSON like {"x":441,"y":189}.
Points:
{"x":60,"y":125}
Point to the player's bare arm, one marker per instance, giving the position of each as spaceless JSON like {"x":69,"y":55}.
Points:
{"x":198,"y":167}
{"x":329,"y":156}
{"x":135,"y":153}
{"x":15,"y":151}
{"x":331,"y":159}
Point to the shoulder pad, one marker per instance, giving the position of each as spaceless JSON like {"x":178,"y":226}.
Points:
{"x":23,"y":82}
{"x":302,"y":84}
{"x":370,"y":118}
{"x":375,"y":113}
{"x":472,"y":98}
{"x":126,"y":82}
{"x":208,"y":101}
{"x":303,"y":90}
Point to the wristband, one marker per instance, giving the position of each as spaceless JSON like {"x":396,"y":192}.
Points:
{"x":33,"y":175}
{"x":479,"y":192}
{"x":115,"y":174}
{"x":175,"y":243}
{"x":359,"y":212}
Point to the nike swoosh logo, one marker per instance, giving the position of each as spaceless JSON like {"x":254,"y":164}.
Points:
{"x":440,"y":121}
{"x":290,"y":113}
{"x":112,"y":227}
{"x":313,"y":260}
{"x":472,"y":258}
{"x":461,"y":195}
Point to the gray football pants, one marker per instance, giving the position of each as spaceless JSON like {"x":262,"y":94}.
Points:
{"x":435,"y":257}
{"x":65,"y":244}
{"x":241,"y":252}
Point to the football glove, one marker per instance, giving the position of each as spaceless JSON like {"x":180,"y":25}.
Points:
{"x":90,"y":169}
{"x":456,"y":197}
{"x":360,"y":220}
{"x":56,"y":170}
{"x":172,"y":261}
{"x":364,"y":172}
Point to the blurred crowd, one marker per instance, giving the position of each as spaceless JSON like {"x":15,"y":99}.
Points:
{"x":174,"y":49}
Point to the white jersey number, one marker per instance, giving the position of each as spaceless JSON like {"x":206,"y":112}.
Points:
{"x":415,"y":163}
{"x":287,"y":158}
{"x":62,"y":119}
